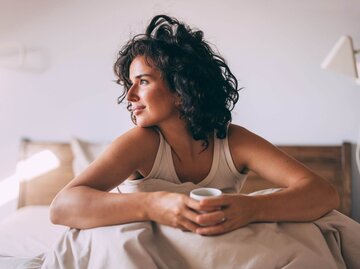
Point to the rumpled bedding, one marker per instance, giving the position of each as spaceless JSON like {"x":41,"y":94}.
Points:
{"x":332,"y":241}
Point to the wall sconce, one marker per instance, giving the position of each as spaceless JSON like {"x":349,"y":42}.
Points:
{"x":30,"y":59}
{"x":12,"y":55}
{"x":342,"y":58}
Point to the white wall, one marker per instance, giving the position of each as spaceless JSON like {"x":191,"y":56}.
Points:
{"x":274,"y":48}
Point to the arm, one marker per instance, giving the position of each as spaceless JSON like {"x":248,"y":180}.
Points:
{"x":306,"y":196}
{"x":86,"y":203}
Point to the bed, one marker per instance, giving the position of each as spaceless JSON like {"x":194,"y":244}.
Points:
{"x":28,"y":233}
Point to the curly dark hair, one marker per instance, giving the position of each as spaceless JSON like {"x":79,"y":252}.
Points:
{"x":201,"y":78}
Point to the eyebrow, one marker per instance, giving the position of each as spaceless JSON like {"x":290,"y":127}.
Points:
{"x":144,"y":75}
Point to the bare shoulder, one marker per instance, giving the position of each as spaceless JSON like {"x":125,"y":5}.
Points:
{"x":132,"y":152}
{"x":240,"y":135}
{"x":138,"y":144}
{"x":245,"y":145}
{"x":138,"y":137}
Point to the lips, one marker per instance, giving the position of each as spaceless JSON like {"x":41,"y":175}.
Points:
{"x":137,"y":109}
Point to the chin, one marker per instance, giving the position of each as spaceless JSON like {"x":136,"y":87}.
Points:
{"x":143,"y":124}
{"x":146,"y":121}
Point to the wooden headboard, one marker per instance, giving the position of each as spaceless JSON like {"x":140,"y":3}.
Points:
{"x":331,"y":162}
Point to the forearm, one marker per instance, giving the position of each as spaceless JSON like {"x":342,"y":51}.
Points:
{"x":308,"y":200}
{"x":83,"y":207}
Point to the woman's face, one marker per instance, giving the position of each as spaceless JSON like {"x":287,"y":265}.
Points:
{"x":152,"y":102}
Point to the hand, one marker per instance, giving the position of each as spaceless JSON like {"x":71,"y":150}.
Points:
{"x":236,"y":211}
{"x":174,"y":209}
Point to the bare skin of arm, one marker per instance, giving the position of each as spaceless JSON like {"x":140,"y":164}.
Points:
{"x":305,"y":196}
{"x":86,"y":203}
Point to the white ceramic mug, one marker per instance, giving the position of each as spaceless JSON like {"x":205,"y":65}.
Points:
{"x":203,"y":193}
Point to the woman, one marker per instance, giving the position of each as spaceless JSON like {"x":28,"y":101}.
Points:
{"x":180,"y":94}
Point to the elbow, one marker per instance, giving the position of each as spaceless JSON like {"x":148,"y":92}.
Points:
{"x":55,"y":212}
{"x":330,"y":198}
{"x":335,"y":198}
{"x":61,"y":212}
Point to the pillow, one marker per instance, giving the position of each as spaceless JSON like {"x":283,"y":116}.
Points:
{"x":84,"y":153}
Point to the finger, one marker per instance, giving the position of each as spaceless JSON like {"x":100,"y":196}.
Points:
{"x":210,"y":218}
{"x":190,"y":226}
{"x":190,"y":215}
{"x":182,"y":228}
{"x":214,"y":202}
{"x":208,"y":209}
{"x":195,"y":205}
{"x":220,"y":228}
{"x":192,"y":203}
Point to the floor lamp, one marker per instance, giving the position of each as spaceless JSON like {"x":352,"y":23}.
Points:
{"x":342,"y":59}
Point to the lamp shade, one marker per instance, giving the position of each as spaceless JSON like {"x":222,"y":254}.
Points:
{"x":341,"y":58}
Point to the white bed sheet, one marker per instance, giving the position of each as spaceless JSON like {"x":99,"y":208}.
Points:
{"x":30,"y":225}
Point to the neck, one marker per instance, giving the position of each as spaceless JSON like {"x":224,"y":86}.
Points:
{"x":181,"y":140}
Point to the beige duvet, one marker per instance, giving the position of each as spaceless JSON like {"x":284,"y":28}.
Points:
{"x":332,"y":241}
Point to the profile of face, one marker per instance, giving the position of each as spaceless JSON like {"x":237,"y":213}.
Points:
{"x":152,"y":102}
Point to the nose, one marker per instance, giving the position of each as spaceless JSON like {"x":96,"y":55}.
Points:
{"x":132,"y":95}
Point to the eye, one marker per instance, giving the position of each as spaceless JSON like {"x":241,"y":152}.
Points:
{"x":143,"y":82}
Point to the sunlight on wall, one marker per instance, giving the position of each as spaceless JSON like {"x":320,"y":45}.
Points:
{"x":9,"y":189}
{"x":37,"y":165}
{"x":28,"y":169}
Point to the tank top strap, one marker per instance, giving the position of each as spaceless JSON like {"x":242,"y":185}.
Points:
{"x":228,"y":157}
{"x":159,"y":156}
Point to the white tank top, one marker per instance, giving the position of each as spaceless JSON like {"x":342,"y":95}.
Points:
{"x":162,"y":177}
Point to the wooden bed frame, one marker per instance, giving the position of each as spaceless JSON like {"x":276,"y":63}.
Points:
{"x":331,"y":162}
